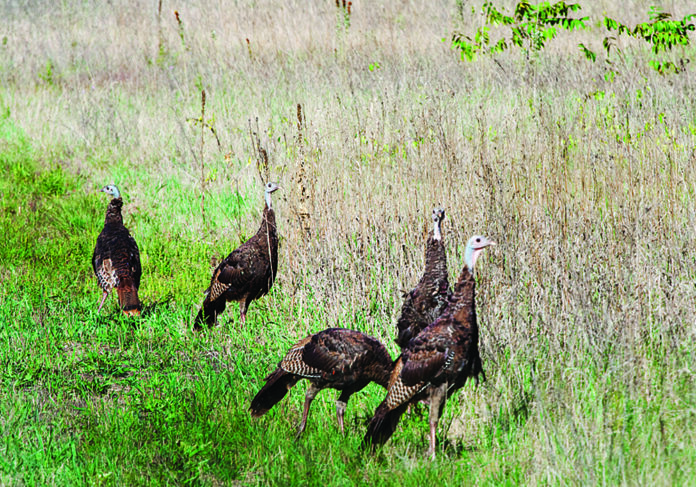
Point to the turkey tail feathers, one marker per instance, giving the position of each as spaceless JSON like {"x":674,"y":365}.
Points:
{"x":128,"y":298}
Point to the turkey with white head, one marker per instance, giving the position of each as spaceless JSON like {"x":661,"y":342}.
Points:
{"x":116,"y":258}
{"x":426,"y":302}
{"x":247,"y":273}
{"x":438,"y":361}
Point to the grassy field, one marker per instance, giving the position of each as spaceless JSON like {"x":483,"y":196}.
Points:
{"x":587,"y":306}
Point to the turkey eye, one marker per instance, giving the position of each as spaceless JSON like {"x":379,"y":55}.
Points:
{"x":478,"y":240}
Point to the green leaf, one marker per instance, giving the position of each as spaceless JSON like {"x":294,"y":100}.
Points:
{"x":589,"y":54}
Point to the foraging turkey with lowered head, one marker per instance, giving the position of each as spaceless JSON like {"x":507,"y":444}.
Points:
{"x":335,"y":358}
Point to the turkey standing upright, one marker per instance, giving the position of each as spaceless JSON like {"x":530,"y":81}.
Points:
{"x":426,"y":302}
{"x":247,"y":273}
{"x":438,"y":361}
{"x":116,"y":258}
{"x":341,"y":359}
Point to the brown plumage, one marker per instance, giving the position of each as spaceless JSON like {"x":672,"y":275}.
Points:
{"x":437,"y":362}
{"x":336,"y":358}
{"x":116,"y":258}
{"x":247,"y":273}
{"x":426,"y":302}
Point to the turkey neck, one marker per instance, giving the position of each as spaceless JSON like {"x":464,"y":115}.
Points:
{"x":462,"y":303}
{"x":435,"y":257}
{"x":268,"y":223}
{"x":113,"y":212}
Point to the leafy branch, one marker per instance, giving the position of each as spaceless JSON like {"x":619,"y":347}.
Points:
{"x":661,"y":32}
{"x":531,"y":26}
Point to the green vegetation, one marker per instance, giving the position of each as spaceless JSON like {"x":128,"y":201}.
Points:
{"x":584,"y":174}
{"x":533,"y":25}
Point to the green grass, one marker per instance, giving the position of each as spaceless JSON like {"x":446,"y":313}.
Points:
{"x":100,"y":399}
{"x":586,"y":306}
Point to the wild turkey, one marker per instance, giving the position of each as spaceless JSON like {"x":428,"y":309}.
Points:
{"x":247,"y":273}
{"x":426,"y":302}
{"x":116,"y":258}
{"x":341,"y":359}
{"x":438,"y":361}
